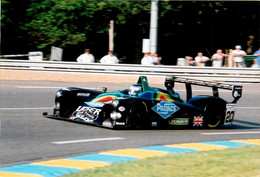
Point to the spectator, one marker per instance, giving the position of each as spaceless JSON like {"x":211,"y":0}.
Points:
{"x":151,"y":59}
{"x":86,"y":57}
{"x":147,"y":59}
{"x":200,"y":59}
{"x":238,"y":55}
{"x":257,"y":54}
{"x":110,"y":58}
{"x":218,"y":58}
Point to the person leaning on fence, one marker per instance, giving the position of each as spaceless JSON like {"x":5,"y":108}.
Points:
{"x":151,"y":59}
{"x":200,"y":59}
{"x":110,"y":58}
{"x":86,"y":57}
{"x":217,"y":58}
{"x":147,"y":59}
{"x":238,"y":55}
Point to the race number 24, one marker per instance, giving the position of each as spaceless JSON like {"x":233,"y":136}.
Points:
{"x":230,"y":112}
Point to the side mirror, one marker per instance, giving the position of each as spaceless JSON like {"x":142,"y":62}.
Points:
{"x":104,"y":89}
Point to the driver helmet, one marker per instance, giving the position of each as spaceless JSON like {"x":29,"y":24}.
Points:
{"x":135,"y":89}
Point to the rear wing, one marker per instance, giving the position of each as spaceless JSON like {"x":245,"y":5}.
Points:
{"x":236,"y":89}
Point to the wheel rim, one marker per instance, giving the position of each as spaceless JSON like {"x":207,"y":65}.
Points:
{"x":215,"y":121}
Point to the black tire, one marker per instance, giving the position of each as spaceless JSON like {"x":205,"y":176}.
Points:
{"x":138,"y":115}
{"x":214,"y":113}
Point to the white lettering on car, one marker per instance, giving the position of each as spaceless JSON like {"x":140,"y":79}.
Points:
{"x":86,"y":113}
{"x":165,"y":108}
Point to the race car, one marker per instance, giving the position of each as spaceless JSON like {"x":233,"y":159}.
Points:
{"x":143,"y":106}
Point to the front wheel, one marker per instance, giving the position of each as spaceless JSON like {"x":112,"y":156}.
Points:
{"x":138,"y":115}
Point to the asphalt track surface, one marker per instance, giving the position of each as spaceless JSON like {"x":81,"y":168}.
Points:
{"x":28,"y":137}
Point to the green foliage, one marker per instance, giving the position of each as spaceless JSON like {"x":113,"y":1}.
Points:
{"x":3,"y":10}
{"x":69,"y":22}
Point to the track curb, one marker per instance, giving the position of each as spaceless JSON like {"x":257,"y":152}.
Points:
{"x":58,"y":167}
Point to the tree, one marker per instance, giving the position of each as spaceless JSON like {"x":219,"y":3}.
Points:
{"x":79,"y":22}
{"x":13,"y":38}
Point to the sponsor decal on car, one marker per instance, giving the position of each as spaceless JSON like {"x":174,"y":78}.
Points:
{"x":105,"y":98}
{"x":165,"y":109}
{"x":120,"y":123}
{"x":154,"y":124}
{"x":88,"y":114}
{"x":179,"y":121}
{"x":83,"y":94}
{"x":230,"y":112}
{"x":198,"y":121}
{"x":163,"y":97}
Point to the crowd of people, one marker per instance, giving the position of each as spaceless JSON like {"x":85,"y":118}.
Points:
{"x":87,"y":57}
{"x":110,"y":58}
{"x":235,"y":56}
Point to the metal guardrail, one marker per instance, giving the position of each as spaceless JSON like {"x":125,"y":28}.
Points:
{"x":221,"y":73}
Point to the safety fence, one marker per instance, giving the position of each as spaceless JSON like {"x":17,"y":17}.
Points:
{"x":220,"y":73}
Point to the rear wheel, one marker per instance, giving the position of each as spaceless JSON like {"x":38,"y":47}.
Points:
{"x":214,"y":114}
{"x":213,"y":110}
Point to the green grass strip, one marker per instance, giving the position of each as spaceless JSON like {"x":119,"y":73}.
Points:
{"x":233,"y":162}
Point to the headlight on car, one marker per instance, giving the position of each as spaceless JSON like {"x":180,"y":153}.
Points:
{"x":57,"y":105}
{"x":58,"y":94}
{"x":115,"y":115}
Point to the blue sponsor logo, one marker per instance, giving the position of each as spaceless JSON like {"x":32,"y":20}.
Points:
{"x":165,"y":109}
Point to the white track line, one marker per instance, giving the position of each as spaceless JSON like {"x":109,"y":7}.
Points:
{"x":46,"y":87}
{"x":248,"y":108}
{"x":35,"y":108}
{"x":87,"y":140}
{"x":38,"y":87}
{"x":231,"y":133}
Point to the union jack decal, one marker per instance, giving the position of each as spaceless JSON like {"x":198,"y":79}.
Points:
{"x":198,"y":121}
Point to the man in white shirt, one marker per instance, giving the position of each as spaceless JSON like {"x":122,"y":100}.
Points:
{"x":86,"y":57}
{"x":147,"y":59}
{"x":218,"y":58}
{"x":238,"y":56}
{"x":200,"y":59}
{"x":110,"y":58}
